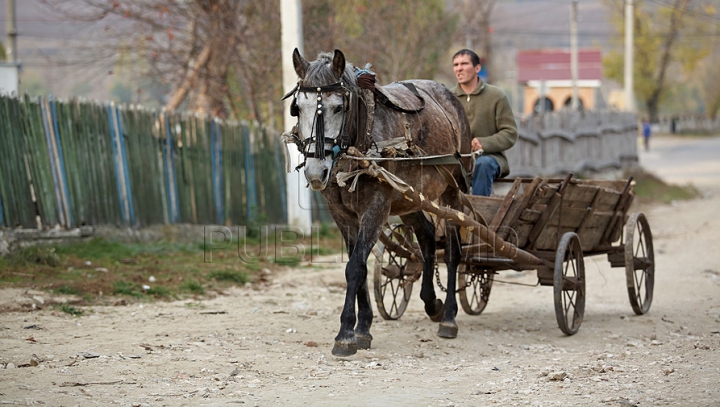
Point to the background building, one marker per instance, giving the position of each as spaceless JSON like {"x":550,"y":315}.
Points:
{"x":547,"y":81}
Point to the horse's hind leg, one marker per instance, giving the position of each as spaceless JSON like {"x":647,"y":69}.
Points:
{"x":425,"y":233}
{"x":448,"y":328}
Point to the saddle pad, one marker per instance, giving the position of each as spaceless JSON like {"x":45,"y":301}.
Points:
{"x":401,"y":96}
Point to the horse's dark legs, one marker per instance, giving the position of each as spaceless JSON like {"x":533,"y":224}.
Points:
{"x":425,"y":233}
{"x":365,"y":316}
{"x":448,"y":327}
{"x":351,"y":337}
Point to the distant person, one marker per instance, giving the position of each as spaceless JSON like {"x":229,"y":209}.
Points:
{"x":647,"y":132}
{"x":491,"y":118}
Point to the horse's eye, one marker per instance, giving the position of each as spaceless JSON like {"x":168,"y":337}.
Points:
{"x":337,"y":109}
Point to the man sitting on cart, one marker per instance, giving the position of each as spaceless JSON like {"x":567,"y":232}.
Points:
{"x":491,"y":118}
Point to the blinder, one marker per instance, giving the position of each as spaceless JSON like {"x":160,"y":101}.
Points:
{"x":294,"y":109}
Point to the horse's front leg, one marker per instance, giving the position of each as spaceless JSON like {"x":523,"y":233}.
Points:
{"x":448,"y":328}
{"x":365,"y":316}
{"x":350,"y":337}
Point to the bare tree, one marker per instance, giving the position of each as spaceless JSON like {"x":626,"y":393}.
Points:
{"x":401,"y":39}
{"x":476,"y":29}
{"x":201,"y":47}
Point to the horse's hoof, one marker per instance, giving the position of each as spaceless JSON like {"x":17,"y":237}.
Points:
{"x":439,"y":310}
{"x":363,"y":341}
{"x":448,"y":330}
{"x":345,"y":348}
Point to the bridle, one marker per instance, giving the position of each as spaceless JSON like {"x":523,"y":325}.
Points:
{"x":356,"y":123}
{"x":324,"y":146}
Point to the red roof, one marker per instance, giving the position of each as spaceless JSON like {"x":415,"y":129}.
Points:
{"x":553,"y":64}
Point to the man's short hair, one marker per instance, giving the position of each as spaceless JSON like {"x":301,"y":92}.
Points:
{"x":474,"y":58}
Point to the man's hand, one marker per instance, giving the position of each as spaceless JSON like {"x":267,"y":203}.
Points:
{"x":476,"y":144}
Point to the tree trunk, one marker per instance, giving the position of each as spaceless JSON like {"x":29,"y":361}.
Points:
{"x":680,"y":7}
{"x":191,"y":77}
{"x":652,"y":107}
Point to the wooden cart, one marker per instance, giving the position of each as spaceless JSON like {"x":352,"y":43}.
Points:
{"x":556,"y":222}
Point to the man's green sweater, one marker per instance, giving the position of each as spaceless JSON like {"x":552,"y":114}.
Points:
{"x":491,"y":120}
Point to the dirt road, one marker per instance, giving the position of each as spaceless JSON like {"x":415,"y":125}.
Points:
{"x":272,"y":346}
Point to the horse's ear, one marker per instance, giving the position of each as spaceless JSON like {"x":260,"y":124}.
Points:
{"x":338,"y":64}
{"x":300,"y":63}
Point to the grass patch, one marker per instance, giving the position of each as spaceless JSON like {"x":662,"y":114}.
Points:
{"x":69,"y":309}
{"x":98,"y":249}
{"x":122,"y":287}
{"x":98,"y":271}
{"x":192,"y":286}
{"x":158,"y":291}
{"x":288,"y":261}
{"x":67,"y":290}
{"x":238,"y":277}
{"x":38,"y":255}
{"x":650,"y":188}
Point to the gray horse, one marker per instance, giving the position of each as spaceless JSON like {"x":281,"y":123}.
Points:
{"x":335,"y":119}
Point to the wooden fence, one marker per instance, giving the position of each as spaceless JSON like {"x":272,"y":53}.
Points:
{"x":560,"y":142}
{"x":79,"y":163}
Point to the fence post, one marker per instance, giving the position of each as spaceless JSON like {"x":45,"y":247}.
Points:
{"x":126,"y":174}
{"x":120,"y":180}
{"x":46,"y":116}
{"x":62,"y":174}
{"x":217,"y":171}
{"x":170,"y":173}
{"x":248,"y":150}
{"x":281,"y":171}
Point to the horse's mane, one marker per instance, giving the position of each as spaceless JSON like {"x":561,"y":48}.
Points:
{"x":320,"y":73}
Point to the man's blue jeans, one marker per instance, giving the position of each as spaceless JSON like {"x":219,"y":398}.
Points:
{"x":487,"y":170}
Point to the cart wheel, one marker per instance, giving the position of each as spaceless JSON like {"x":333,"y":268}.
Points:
{"x":639,"y":263}
{"x":394,"y":275}
{"x":477,"y":282}
{"x":569,"y":284}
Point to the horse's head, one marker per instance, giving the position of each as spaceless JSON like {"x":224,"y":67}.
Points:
{"x":322,"y":104}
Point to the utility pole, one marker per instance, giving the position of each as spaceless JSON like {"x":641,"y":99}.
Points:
{"x":468,"y":34}
{"x":11,"y":49}
{"x":298,"y":202}
{"x":629,"y":51}
{"x":10,"y":69}
{"x":574,"y":104}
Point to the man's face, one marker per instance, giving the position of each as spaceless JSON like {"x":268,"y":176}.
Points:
{"x":465,"y":72}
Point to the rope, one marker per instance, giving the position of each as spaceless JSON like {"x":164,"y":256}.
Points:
{"x":474,"y":154}
{"x":373,"y":170}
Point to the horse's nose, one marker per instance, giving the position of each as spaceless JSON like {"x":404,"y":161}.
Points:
{"x":317,"y":176}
